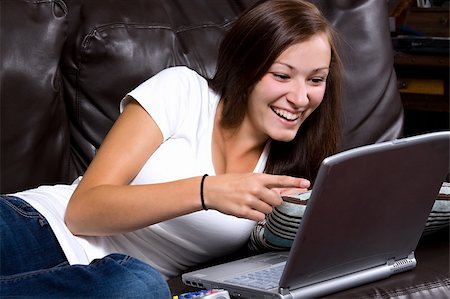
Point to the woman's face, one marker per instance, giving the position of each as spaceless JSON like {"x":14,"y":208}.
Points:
{"x":291,"y":90}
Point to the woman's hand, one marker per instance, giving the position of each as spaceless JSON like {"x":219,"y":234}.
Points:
{"x":250,"y":195}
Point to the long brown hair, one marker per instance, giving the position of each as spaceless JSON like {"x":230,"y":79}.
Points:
{"x":247,"y":52}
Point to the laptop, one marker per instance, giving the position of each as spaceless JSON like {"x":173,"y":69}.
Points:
{"x":367,"y":211}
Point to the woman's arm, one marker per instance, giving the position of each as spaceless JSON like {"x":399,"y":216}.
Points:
{"x":104,"y":203}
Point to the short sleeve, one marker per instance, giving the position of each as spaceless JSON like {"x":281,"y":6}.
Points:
{"x":167,"y":98}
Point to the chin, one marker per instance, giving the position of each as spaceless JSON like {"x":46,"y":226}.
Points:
{"x":283,"y":134}
{"x":284,"y":138}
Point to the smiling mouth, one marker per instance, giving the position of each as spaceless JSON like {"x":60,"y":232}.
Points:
{"x":286,"y":114}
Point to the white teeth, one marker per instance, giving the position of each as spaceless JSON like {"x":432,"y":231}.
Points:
{"x":286,"y":114}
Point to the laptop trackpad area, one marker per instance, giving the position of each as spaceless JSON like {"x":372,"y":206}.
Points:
{"x":261,"y":272}
{"x":236,"y":268}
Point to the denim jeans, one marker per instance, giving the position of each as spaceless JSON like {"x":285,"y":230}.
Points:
{"x":32,"y":264}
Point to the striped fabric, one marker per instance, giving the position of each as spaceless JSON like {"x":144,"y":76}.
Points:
{"x":278,"y":230}
{"x":440,"y":213}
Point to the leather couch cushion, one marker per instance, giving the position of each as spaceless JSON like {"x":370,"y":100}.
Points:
{"x":34,"y":127}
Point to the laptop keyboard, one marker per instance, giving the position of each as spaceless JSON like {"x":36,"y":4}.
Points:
{"x":262,"y":279}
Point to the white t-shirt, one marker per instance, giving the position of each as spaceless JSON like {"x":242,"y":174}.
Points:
{"x":183,"y":106}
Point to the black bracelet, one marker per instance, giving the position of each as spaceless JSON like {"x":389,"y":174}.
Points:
{"x":201,"y":192}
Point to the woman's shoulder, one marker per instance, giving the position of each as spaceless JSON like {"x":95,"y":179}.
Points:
{"x":170,"y":85}
{"x":180,"y":72}
{"x":186,"y":86}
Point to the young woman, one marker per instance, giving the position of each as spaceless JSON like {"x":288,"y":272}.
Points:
{"x":189,"y":165}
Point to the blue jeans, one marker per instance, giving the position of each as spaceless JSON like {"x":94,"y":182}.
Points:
{"x":32,"y":264}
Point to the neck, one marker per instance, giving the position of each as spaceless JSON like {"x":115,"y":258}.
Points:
{"x":235,"y":149}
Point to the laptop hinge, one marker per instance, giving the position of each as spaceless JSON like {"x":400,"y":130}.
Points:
{"x":393,"y":261}
{"x":403,"y":264}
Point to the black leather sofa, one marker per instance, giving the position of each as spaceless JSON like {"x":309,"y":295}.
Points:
{"x":66,"y":64}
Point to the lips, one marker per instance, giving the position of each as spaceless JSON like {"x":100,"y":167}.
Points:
{"x":289,"y":116}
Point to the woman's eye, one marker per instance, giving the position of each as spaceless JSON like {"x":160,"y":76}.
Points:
{"x":281,"y":76}
{"x":318,"y":80}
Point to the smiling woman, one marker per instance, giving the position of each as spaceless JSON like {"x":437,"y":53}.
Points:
{"x":254,"y":49}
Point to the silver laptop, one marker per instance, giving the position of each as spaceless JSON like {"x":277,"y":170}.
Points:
{"x":362,"y":223}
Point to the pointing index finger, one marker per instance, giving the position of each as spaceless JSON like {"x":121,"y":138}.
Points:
{"x":284,"y":181}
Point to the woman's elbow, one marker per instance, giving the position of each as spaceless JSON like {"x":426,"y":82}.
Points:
{"x":72,"y":219}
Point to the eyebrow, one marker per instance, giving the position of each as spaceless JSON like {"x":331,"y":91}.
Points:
{"x":325,"y":68}
{"x":291,"y":67}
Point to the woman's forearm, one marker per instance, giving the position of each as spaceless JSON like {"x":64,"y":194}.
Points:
{"x":108,"y":209}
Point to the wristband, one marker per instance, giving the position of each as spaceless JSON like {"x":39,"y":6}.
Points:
{"x":202,"y":199}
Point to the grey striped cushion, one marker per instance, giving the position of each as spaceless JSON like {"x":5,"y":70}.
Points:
{"x":440,"y":213}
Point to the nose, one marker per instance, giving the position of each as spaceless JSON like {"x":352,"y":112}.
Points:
{"x":298,"y":94}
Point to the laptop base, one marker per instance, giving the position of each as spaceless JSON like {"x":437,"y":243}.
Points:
{"x":311,"y":291}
